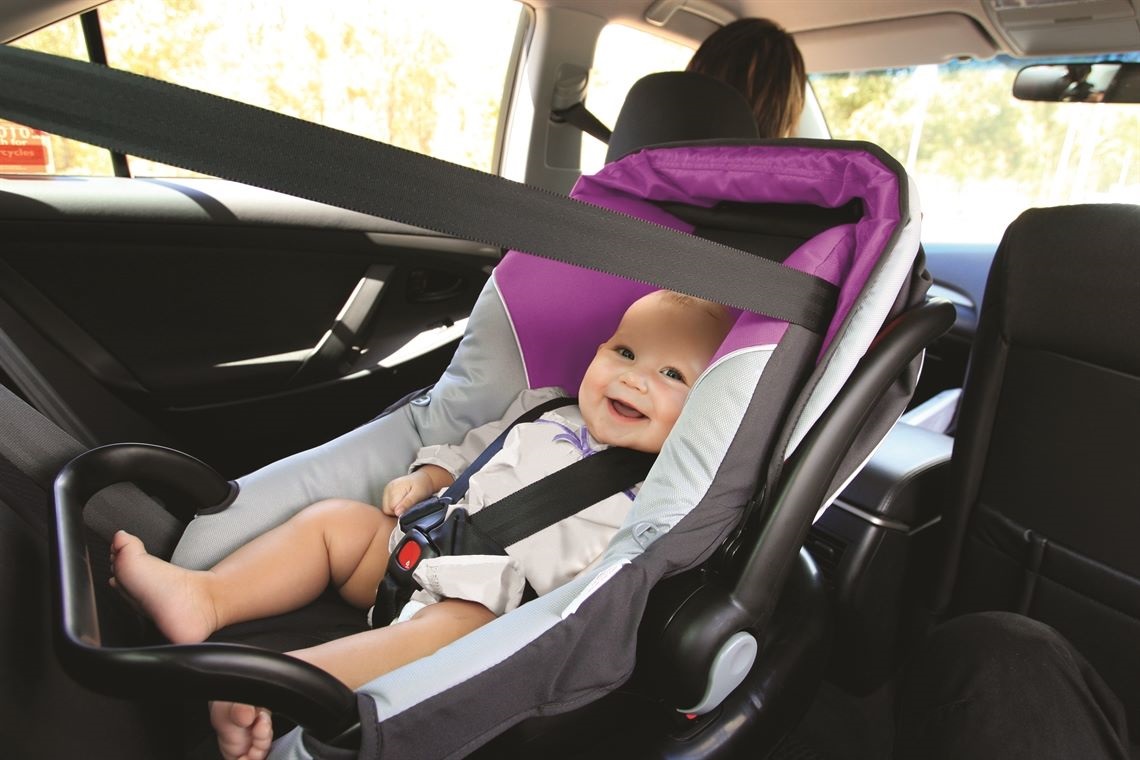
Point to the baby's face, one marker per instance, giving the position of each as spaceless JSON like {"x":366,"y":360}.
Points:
{"x":633,"y":390}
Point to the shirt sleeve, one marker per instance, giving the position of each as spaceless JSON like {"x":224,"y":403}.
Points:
{"x":456,"y":457}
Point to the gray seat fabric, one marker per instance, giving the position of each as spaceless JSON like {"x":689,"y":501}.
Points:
{"x":1043,"y":512}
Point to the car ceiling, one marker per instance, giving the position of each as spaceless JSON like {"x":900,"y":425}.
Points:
{"x":860,"y":34}
{"x":834,"y":34}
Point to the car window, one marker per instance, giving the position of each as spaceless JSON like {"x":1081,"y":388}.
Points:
{"x":429,"y":78}
{"x":978,"y":156}
{"x":30,"y":151}
{"x":623,"y":55}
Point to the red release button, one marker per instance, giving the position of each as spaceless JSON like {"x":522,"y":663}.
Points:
{"x":408,"y":555}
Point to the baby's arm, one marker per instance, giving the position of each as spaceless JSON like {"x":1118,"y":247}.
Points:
{"x":408,"y":490}
{"x":435,"y":464}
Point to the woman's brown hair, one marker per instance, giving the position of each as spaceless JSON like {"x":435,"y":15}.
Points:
{"x":762,"y":61}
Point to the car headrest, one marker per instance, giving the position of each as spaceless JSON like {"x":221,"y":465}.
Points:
{"x":679,"y":106}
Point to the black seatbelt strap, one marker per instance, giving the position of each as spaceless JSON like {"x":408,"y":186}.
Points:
{"x":457,"y":489}
{"x":548,"y":500}
{"x":579,"y":116}
{"x":561,"y":494}
{"x":175,"y":125}
{"x":430,"y":531}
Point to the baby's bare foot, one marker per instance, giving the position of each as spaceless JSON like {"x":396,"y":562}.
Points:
{"x":244,"y":732}
{"x":173,"y":597}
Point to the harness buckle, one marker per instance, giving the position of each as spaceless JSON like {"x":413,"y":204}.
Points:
{"x":418,"y":524}
{"x":409,"y":555}
{"x":398,"y":584}
{"x":428,"y":532}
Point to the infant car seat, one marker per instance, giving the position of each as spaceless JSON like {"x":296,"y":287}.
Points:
{"x":768,"y":432}
{"x":533,"y":327}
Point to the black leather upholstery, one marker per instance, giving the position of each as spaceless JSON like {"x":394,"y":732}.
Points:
{"x":1044,"y":514}
{"x":677,"y":106}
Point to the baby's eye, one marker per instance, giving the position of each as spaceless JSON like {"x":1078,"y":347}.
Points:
{"x":624,"y":352}
{"x":673,"y":374}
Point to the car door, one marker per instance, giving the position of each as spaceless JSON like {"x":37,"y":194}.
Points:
{"x":237,"y":324}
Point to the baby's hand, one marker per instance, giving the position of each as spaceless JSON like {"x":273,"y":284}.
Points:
{"x":409,"y":490}
{"x":400,"y":494}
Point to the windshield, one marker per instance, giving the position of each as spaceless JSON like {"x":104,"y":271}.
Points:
{"x":978,"y":156}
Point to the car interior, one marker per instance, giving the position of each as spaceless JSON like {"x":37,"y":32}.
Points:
{"x":243,"y":325}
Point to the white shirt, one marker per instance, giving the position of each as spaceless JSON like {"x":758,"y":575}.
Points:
{"x":548,"y":558}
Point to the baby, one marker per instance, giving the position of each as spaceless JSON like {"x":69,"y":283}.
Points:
{"x":631,"y":395}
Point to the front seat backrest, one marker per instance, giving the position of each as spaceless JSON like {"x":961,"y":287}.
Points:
{"x":1045,"y":460}
{"x":679,"y":106}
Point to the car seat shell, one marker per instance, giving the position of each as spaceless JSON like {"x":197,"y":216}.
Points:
{"x":744,"y":413}
{"x":521,"y":335}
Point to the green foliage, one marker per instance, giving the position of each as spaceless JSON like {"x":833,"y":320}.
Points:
{"x":981,"y":153}
{"x":867,"y":107}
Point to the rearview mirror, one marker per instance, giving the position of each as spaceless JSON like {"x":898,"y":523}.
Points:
{"x":1108,"y":82}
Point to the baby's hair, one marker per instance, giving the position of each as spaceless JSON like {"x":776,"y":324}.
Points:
{"x":712,"y":308}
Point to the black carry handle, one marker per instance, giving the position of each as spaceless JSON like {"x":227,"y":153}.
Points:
{"x":235,"y":672}
{"x":763,"y":562}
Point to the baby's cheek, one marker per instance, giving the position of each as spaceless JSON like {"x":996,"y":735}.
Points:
{"x":589,"y":411}
{"x":673,"y":405}
{"x":589,"y":419}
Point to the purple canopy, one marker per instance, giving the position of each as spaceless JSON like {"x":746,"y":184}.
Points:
{"x":561,"y":313}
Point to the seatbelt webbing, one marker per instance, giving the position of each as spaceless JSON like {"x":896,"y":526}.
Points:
{"x":579,"y":116}
{"x":550,"y":499}
{"x":561,"y":494}
{"x":37,"y":448}
{"x":213,"y":135}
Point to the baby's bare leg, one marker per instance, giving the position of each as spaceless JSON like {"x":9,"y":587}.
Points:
{"x":337,"y":541}
{"x":354,"y":660}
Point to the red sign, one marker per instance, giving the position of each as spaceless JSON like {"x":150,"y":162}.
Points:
{"x":23,"y":148}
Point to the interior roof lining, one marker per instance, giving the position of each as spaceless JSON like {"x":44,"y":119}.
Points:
{"x":835,"y":34}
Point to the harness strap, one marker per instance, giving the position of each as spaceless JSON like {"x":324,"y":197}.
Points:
{"x":548,"y":500}
{"x":562,"y":494}
{"x":179,"y":126}
{"x":458,"y":488}
{"x":428,"y":533}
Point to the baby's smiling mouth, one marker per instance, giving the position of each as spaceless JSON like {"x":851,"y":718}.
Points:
{"x":625,"y":410}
